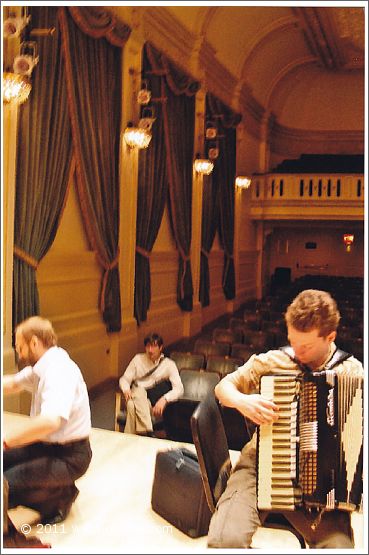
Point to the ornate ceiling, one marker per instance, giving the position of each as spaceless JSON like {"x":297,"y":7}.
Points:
{"x":265,"y":59}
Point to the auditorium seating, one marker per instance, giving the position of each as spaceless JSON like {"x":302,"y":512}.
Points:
{"x":222,"y":335}
{"x":191,"y":361}
{"x":242,"y":351}
{"x":222,"y":365}
{"x":177,"y":415}
{"x":207,"y":348}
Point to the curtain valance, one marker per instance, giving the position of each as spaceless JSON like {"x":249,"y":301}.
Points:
{"x":178,"y":81}
{"x":99,"y":23}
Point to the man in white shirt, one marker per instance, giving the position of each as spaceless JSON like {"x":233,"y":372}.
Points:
{"x":147,"y":371}
{"x":44,"y":458}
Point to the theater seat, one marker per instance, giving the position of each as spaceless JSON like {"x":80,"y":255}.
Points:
{"x":211,"y":348}
{"x":223,"y":335}
{"x":193,"y":361}
{"x":177,"y":416}
{"x":222,"y":365}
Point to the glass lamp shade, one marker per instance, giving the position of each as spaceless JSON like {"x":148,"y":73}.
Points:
{"x":137,"y":137}
{"x":243,"y":182}
{"x":203,"y":166}
{"x":16,"y":88}
{"x":348,"y":239}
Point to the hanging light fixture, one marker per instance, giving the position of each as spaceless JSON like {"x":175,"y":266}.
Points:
{"x":203,"y":165}
{"x":348,"y":239}
{"x":16,"y":88}
{"x":243,"y":181}
{"x":17,"y":84}
{"x":137,"y":137}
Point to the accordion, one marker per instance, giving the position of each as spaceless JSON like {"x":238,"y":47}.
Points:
{"x":312,"y":455}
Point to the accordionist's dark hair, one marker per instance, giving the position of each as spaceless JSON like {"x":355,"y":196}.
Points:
{"x":153,"y":339}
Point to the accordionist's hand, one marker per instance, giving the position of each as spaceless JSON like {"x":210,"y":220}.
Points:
{"x":258,"y":409}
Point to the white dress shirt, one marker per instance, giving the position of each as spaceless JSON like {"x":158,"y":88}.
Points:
{"x":141,"y":364}
{"x":58,"y":389}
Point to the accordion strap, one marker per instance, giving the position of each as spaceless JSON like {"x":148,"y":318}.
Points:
{"x":338,"y":356}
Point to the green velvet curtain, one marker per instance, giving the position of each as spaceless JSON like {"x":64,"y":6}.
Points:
{"x":209,"y":225}
{"x":93,"y":71}
{"x":151,"y":196}
{"x":224,"y":174}
{"x":42,"y":166}
{"x":179,"y":119}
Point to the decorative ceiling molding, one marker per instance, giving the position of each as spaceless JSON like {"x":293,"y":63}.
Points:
{"x":284,"y":73}
{"x":217,"y":79}
{"x":277,"y":26}
{"x":168,"y":35}
{"x":335,"y":35}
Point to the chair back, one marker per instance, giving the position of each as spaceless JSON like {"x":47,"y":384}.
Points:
{"x":240,"y":350}
{"x":222,"y":365}
{"x":211,"y":348}
{"x":226,"y":335}
{"x":177,"y":415}
{"x":197,"y":384}
{"x":212,"y":449}
{"x":194,"y":361}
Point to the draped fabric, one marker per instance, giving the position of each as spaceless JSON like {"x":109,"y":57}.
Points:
{"x":209,"y":224}
{"x":224,"y":174}
{"x":42,"y":166}
{"x":93,"y":72}
{"x":178,"y":112}
{"x":96,"y":22}
{"x":151,"y":197}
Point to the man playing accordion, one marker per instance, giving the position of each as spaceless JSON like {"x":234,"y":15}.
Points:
{"x":312,"y":320}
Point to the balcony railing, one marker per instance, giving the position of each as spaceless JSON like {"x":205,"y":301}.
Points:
{"x":304,"y":196}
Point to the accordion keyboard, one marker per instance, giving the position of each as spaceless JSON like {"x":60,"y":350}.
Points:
{"x":277,"y":447}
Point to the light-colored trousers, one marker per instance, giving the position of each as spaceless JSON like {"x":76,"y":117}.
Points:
{"x":138,"y":412}
{"x":236,"y":517}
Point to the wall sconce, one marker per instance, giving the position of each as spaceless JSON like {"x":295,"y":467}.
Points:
{"x":144,"y":94}
{"x":243,"y":181}
{"x":13,"y":26}
{"x":213,"y":150}
{"x":348,"y":239}
{"x":27,"y":59}
{"x":16,"y":84}
{"x":211,"y":130}
{"x":147,"y":118}
{"x":137,"y":137}
{"x":16,"y":88}
{"x":203,"y":166}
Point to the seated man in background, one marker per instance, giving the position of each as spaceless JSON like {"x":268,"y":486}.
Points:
{"x":312,"y":320}
{"x":149,"y":373}
{"x":42,"y":460}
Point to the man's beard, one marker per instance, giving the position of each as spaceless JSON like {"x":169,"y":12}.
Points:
{"x":29,"y":361}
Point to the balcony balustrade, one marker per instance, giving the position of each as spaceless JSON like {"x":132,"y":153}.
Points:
{"x":304,"y":196}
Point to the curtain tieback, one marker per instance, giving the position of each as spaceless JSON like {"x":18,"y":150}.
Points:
{"x":229,"y":257}
{"x":142,"y":251}
{"x":107,"y":268}
{"x":185,"y":259}
{"x":25,"y":257}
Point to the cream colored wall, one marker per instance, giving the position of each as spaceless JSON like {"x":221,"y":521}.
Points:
{"x":327,"y":102}
{"x":68,"y":280}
